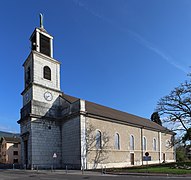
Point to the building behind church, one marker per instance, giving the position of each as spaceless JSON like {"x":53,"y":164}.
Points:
{"x":63,"y":130}
{"x":10,"y":150}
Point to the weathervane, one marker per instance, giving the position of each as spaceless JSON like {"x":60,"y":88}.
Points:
{"x":41,"y":21}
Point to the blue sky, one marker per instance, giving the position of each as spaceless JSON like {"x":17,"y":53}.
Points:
{"x":125,"y":54}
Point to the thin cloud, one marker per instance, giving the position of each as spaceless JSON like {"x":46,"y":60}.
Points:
{"x":96,"y":14}
{"x":140,"y":39}
{"x":157,"y":51}
{"x":6,"y":129}
{"x":82,"y":5}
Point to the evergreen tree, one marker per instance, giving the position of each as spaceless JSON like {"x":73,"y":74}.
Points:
{"x":156,"y":118}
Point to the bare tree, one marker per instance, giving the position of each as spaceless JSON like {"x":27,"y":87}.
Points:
{"x":96,"y":145}
{"x":175,"y":109}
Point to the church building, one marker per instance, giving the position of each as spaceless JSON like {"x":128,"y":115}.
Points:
{"x":62,"y":130}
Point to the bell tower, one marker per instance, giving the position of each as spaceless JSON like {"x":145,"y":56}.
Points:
{"x":41,"y":101}
{"x":42,"y":71}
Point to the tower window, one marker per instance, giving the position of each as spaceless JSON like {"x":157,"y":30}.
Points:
{"x":47,"y":73}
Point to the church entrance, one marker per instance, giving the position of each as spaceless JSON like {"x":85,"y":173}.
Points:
{"x":26,"y":153}
{"x":132,"y":158}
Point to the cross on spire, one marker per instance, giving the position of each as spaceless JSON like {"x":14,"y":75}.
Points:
{"x":41,"y":21}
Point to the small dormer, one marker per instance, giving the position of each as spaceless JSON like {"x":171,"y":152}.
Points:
{"x":41,"y":41}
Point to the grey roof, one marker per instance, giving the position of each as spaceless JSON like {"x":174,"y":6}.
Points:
{"x":69,"y":98}
{"x":93,"y":109}
{"x":12,"y":139}
{"x":8,"y":134}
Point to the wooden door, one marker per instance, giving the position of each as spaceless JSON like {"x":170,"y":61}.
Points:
{"x":164,"y":157}
{"x":132,"y":158}
{"x":26,"y":152}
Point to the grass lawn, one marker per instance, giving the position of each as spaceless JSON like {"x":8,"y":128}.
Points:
{"x":162,"y":168}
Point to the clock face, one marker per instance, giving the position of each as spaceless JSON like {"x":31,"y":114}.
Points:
{"x":48,"y":96}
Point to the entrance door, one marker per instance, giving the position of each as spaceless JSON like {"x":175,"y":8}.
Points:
{"x":26,"y":152}
{"x":164,"y":157}
{"x":132,"y":158}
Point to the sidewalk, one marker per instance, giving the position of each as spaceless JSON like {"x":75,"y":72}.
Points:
{"x":75,"y":172}
{"x":96,"y":173}
{"x":99,"y":173}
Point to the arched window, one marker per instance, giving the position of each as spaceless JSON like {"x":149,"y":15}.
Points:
{"x":98,"y":139}
{"x":132,"y":142}
{"x":47,"y":73}
{"x":144,"y":143}
{"x":154,"y":144}
{"x":117,"y":141}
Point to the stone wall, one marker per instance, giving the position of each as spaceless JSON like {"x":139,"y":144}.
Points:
{"x":38,"y":94}
{"x":40,"y":61}
{"x":167,"y":150}
{"x":25,"y":130}
{"x":46,"y":140}
{"x":71,"y":156}
{"x":122,"y":157}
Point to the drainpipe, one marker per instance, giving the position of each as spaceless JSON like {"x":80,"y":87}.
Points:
{"x":159,"y":146}
{"x":83,"y":135}
{"x":142,"y":145}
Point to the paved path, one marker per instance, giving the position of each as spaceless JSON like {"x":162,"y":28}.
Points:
{"x":77,"y":175}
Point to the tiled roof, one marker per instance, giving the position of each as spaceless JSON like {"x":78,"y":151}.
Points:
{"x":69,"y":98}
{"x":8,"y":134}
{"x":12,"y":139}
{"x":106,"y":112}
{"x":118,"y":116}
